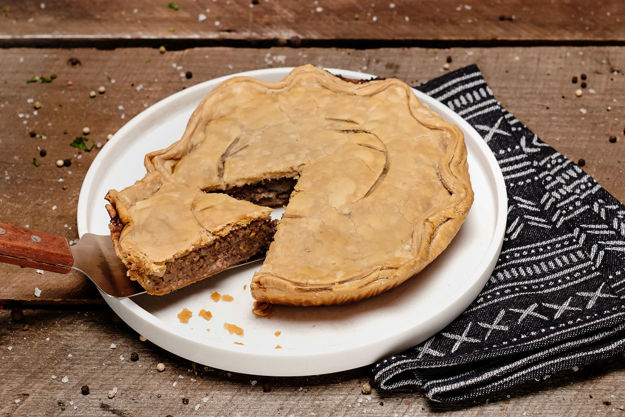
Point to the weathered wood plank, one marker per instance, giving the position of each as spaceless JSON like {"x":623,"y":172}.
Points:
{"x":533,"y":83}
{"x":51,"y":22}
{"x":77,"y":345}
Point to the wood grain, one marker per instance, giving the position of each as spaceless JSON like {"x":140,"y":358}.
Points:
{"x":533,"y":83}
{"x":34,"y":249}
{"x":114,"y":23}
{"x":77,"y":345}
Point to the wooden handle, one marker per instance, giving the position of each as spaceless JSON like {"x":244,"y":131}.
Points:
{"x":32,"y":249}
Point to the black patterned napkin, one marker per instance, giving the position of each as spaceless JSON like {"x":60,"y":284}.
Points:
{"x":555,"y":298}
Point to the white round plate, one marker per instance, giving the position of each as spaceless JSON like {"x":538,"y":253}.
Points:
{"x":312,"y":340}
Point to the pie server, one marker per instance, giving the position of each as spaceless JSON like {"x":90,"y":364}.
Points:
{"x":93,"y":256}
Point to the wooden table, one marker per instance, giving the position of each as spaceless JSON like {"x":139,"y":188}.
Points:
{"x":528,"y":52}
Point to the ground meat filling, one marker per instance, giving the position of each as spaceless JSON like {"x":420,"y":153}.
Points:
{"x":268,"y":193}
{"x":236,"y":247}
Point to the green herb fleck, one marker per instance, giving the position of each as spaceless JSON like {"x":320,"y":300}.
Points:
{"x":31,"y":80}
{"x":45,"y":79}
{"x":81,"y":143}
{"x":171,"y":30}
{"x":5,"y":9}
{"x":356,"y":16}
{"x":147,"y":61}
{"x":36,"y":163}
{"x":108,"y":78}
{"x":173,"y":6}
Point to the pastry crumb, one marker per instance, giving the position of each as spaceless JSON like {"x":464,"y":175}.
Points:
{"x":277,"y":333}
{"x":227,"y":297}
{"x":184,"y":315}
{"x":244,"y":287}
{"x":278,"y":347}
{"x":233,"y":329}
{"x":208,"y":330}
{"x":238,"y":343}
{"x":216,"y":296}
{"x":262,"y":309}
{"x":205,"y":314}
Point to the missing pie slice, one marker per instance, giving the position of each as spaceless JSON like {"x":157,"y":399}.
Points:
{"x":375,"y":186}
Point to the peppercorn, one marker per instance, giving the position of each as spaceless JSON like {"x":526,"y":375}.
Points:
{"x":366,"y":388}
{"x":612,"y":139}
{"x":574,"y":80}
{"x":67,"y":162}
{"x":84,"y":390}
{"x":581,"y":162}
{"x":42,"y":153}
{"x":188,"y":75}
{"x":134,"y":356}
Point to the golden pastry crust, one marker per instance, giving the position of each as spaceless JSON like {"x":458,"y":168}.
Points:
{"x":383,"y":183}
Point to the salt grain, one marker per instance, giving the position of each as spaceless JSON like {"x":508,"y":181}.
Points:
{"x":10,"y":347}
{"x":205,"y":399}
{"x":40,"y":272}
{"x":319,"y":9}
{"x":583,"y":111}
{"x":65,"y":379}
{"x":113,"y":346}
{"x":201,"y":17}
{"x":391,"y":5}
{"x":37,"y":290}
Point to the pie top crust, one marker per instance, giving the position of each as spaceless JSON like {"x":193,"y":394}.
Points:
{"x":383,"y":185}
